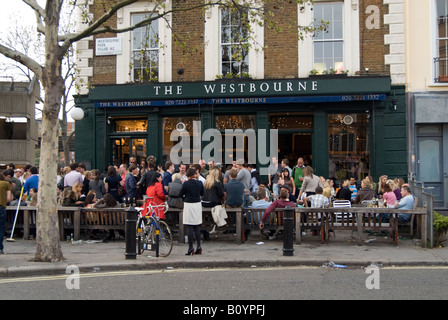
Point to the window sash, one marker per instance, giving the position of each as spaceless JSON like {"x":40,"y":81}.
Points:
{"x":145,"y":50}
{"x":234,"y":53}
{"x":328,"y":45}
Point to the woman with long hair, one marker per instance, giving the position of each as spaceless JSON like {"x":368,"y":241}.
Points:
{"x":96,"y":184}
{"x":310,"y":182}
{"x":285,"y":179}
{"x":213,"y":190}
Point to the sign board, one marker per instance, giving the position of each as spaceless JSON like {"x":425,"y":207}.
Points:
{"x":281,"y":100}
{"x":107,"y":46}
{"x":348,"y":89}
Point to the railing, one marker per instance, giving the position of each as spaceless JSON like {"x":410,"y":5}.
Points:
{"x":425,"y":199}
{"x":440,"y":70}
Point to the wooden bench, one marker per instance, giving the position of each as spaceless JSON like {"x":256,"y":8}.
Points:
{"x":324,"y":220}
{"x":26,"y":219}
{"x":253,"y":216}
{"x":360,"y":219}
{"x":71,"y":219}
{"x":232,"y":223}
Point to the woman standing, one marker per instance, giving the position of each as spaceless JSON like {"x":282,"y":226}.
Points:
{"x":285,"y":179}
{"x":96,"y":184}
{"x":156,"y":196}
{"x":192,"y":190}
{"x":111,"y":182}
{"x":310,"y":182}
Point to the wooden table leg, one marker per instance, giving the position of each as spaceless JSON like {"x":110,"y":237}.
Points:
{"x":396,"y":230}
{"x":26,"y":224}
{"x":181,"y":227}
{"x":298,"y":228}
{"x":239,"y":214}
{"x":360,"y":227}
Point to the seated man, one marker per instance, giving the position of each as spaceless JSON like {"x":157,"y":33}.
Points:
{"x":262,"y":200}
{"x":283,"y":202}
{"x":317,"y":200}
{"x":406,"y":203}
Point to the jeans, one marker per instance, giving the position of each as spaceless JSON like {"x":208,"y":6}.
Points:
{"x":2,"y":225}
{"x":402,"y":217}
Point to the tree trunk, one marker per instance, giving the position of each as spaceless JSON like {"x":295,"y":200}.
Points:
{"x":48,"y":248}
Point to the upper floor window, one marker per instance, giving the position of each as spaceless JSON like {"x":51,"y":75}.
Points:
{"x":336,"y":49}
{"x":329,"y":44}
{"x":145,"y":50}
{"x":440,"y":61}
{"x":234,"y":42}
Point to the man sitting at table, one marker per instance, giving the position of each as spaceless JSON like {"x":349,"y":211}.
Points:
{"x":317,"y":200}
{"x":280,"y":203}
{"x":406,"y":203}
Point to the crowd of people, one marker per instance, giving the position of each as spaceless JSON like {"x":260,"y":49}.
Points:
{"x":191,"y":187}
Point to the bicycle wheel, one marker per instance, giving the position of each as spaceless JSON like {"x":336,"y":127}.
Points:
{"x":165,"y":238}
{"x":143,"y":235}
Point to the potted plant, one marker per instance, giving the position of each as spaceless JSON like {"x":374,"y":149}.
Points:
{"x":440,"y":229}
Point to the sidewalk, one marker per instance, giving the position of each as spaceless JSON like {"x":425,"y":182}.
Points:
{"x":222,"y":252}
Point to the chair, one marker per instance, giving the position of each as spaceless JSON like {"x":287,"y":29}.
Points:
{"x":341,"y":204}
{"x":411,"y":222}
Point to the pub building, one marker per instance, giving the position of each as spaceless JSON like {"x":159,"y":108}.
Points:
{"x":352,"y":123}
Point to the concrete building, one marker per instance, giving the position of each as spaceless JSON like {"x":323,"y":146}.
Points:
{"x":18,"y":127}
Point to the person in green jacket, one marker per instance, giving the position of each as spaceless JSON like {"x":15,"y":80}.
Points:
{"x":297,"y":175}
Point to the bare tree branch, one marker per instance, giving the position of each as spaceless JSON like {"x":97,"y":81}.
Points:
{"x":23,"y":59}
{"x":36,"y":7}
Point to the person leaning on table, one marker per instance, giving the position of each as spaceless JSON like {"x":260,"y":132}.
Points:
{"x":283,"y":202}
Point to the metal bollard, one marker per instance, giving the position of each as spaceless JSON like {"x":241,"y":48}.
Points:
{"x":288,"y":237}
{"x":131,"y":233}
{"x":157,"y":242}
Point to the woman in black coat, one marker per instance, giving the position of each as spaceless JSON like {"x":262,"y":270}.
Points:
{"x":192,"y":190}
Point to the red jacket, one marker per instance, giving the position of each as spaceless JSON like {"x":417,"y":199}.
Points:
{"x":155,"y":197}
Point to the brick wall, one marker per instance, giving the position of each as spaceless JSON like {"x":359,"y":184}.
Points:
{"x":188,"y":42}
{"x":104,"y":67}
{"x":281,"y":52}
{"x":372,"y":48}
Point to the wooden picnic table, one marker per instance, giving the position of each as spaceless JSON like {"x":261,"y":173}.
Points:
{"x":360,"y":219}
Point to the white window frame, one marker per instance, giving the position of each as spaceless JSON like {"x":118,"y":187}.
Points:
{"x":212,"y":61}
{"x":350,"y":32}
{"x":124,"y":16}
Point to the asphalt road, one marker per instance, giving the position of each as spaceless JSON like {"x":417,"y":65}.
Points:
{"x":295,"y":283}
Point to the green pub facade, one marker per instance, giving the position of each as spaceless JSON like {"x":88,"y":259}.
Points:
{"x":341,"y":126}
